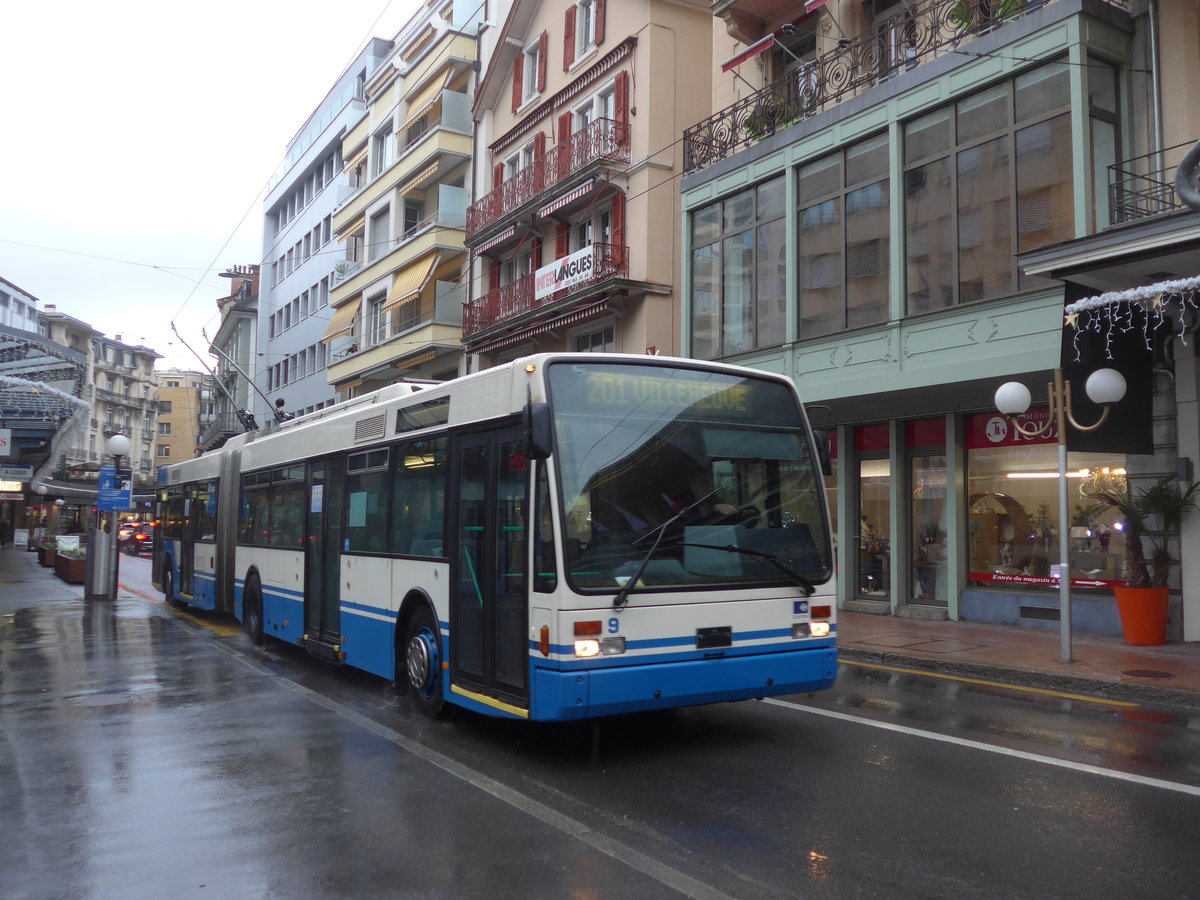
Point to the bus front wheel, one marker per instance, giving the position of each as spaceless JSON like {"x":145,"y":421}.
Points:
{"x":423,"y":662}
{"x":252,"y":611}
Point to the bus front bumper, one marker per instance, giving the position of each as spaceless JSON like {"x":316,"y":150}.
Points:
{"x":584,"y":693}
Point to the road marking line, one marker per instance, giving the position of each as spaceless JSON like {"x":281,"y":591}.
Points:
{"x":991,"y":748}
{"x":986,"y":683}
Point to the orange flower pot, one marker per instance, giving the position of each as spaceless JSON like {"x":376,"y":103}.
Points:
{"x":1143,"y":615}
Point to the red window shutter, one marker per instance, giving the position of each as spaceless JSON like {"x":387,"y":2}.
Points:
{"x":569,"y":38}
{"x":618,"y":227}
{"x":536,"y":254}
{"x":621,"y":92}
{"x":543,"y":53}
{"x":494,"y":277}
{"x":518,"y":77}
{"x":562,"y":240}
{"x":599,"y":29}
{"x":539,"y":145}
{"x":564,"y":127}
{"x":497,"y":175}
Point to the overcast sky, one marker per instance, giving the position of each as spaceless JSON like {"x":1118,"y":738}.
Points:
{"x":138,"y":134}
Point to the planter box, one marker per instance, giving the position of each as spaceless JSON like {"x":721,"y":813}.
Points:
{"x":46,"y":556}
{"x":70,"y":570}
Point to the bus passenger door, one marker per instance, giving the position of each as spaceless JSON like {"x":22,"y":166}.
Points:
{"x":489,"y":610}
{"x":187,"y":543}
{"x":323,"y":553}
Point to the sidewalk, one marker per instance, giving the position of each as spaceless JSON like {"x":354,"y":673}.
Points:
{"x":1103,"y":665}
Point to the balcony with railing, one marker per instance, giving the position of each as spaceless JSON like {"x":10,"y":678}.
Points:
{"x":513,"y":300}
{"x":890,"y":47}
{"x":603,"y":141}
{"x":1144,"y":186}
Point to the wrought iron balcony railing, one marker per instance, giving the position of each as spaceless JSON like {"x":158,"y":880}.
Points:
{"x":518,"y":297}
{"x":1144,"y":186}
{"x":887,"y":49}
{"x":604,"y":139}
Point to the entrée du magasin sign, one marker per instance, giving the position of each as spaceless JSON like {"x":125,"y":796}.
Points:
{"x":563,"y":273}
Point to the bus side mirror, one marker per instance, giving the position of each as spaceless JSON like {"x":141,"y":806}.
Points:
{"x":538,"y":431}
{"x":822,"y":441}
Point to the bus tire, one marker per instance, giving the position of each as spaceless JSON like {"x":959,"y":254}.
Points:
{"x":252,"y":610}
{"x":420,"y":669}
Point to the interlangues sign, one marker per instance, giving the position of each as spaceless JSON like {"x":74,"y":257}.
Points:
{"x":563,"y":273}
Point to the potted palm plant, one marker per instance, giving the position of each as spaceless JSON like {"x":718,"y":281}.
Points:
{"x":1153,"y":513}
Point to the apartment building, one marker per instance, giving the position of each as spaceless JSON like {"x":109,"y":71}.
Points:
{"x":299,"y":252}
{"x":398,"y":290}
{"x":234,"y":346}
{"x":120,"y":385}
{"x":895,"y":203}
{"x":186,"y":406}
{"x":574,"y":232}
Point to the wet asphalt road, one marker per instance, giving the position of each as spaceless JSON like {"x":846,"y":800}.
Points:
{"x":142,"y":755}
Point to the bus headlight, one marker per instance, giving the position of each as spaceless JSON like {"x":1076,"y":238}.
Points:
{"x":587,"y":648}
{"x":819,"y":629}
{"x":612,"y":646}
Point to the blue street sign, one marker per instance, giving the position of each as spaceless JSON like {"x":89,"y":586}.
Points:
{"x":114,"y":494}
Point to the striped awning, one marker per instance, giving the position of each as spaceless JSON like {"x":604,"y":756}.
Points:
{"x":421,"y":179}
{"x":424,"y":99}
{"x":411,"y":280}
{"x":417,"y":360}
{"x":564,"y":321}
{"x":569,"y":197}
{"x":343,"y":320}
{"x":355,"y":159}
{"x":497,"y":240}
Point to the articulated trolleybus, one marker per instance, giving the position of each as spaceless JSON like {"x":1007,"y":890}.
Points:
{"x":561,"y":537}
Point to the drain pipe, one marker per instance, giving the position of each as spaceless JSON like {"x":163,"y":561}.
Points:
{"x":1155,"y":86}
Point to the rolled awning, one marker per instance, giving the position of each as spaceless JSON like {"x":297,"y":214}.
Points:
{"x":411,"y":280}
{"x":343,"y":320}
{"x":424,"y":99}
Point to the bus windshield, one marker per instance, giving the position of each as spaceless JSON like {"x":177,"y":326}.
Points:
{"x":699,"y":478}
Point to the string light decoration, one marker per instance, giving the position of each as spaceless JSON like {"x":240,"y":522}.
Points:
{"x":1145,"y":308}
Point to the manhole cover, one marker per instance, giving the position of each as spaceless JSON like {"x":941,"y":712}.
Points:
{"x":1146,"y":673}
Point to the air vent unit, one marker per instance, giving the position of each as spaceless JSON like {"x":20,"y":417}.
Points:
{"x":369,"y":429}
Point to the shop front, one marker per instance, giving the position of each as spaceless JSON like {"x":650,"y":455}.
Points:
{"x":957,"y":516}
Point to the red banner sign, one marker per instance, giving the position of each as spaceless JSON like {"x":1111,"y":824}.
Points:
{"x":995,"y":430}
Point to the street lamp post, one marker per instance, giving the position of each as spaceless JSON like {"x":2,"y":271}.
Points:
{"x":1104,"y":387}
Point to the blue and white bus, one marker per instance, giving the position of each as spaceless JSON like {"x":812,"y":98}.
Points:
{"x":561,"y":537}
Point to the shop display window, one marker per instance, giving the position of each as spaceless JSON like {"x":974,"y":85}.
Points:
{"x":1012,"y":503}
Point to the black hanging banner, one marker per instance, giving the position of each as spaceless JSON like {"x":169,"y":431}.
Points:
{"x":1130,"y":424}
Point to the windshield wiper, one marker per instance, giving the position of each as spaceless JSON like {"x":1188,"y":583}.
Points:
{"x":658,"y":531}
{"x":805,"y":585}
{"x":662,"y":526}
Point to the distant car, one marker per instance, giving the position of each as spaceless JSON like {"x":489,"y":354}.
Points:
{"x":140,"y":541}
{"x":126,"y":529}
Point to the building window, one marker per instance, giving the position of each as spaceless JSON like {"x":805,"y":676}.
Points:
{"x":600,"y":341}
{"x":381,"y":149}
{"x":1012,"y":487}
{"x":984,"y":180}
{"x":739,"y":272}
{"x":164,"y":406}
{"x":164,"y":450}
{"x":164,"y":428}
{"x":376,"y":320}
{"x":844,"y":233}
{"x":379,"y":235}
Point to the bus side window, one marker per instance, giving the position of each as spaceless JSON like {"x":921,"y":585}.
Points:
{"x":419,"y":498}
